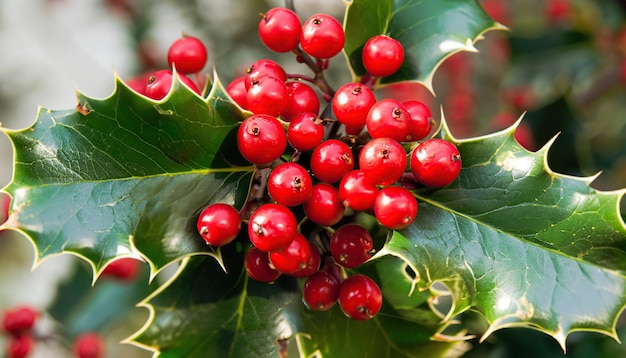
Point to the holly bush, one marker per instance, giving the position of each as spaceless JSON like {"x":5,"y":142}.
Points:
{"x":508,"y":241}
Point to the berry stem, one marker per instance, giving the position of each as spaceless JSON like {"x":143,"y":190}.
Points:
{"x":319,"y":80}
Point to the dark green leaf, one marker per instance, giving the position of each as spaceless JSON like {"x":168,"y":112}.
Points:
{"x":429,"y":30}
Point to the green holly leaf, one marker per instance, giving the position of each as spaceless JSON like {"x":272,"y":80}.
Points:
{"x":418,"y":25}
{"x":126,"y":175}
{"x":521,"y":244}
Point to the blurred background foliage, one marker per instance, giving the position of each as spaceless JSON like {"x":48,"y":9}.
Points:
{"x":561,"y":64}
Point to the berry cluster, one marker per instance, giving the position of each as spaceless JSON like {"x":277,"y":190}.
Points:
{"x":315,"y":171}
{"x":19,"y":323}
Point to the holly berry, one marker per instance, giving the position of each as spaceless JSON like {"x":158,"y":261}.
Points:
{"x":263,"y":68}
{"x":312,"y":265}
{"x":272,"y":227}
{"x":258,"y":267}
{"x":267,"y":95}
{"x":301,"y":98}
{"x":331,"y":160}
{"x":321,"y":291}
{"x":236,"y":89}
{"x":160,"y":83}
{"x":261,"y":139}
{"x":435,"y":162}
{"x":382,"y":55}
{"x":322,"y":36}
{"x":219,"y":224}
{"x":187,"y":54}
{"x":388,"y":118}
{"x":293,"y":257}
{"x":395,"y":207}
{"x":383,"y":161}
{"x":280,"y":29}
{"x":324,"y":206}
{"x":351,"y":245}
{"x":19,"y":320}
{"x":352,"y":102}
{"x":89,"y":345}
{"x":360,"y":298}
{"x":20,"y":347}
{"x":305,"y":131}
{"x":289,"y":184}
{"x":420,"y":119}
{"x":356,"y":191}
{"x":124,"y":269}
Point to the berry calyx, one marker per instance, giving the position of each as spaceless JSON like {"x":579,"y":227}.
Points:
{"x":280,"y":29}
{"x":289,"y":184}
{"x":395,"y":207}
{"x":258,"y":267}
{"x":321,"y":291}
{"x":272,"y":227}
{"x":187,"y":54}
{"x":305,"y":131}
{"x":261,"y":139}
{"x":383,"y":160}
{"x":352,"y":102}
{"x":435,"y":162}
{"x":351,"y":245}
{"x":322,"y":36}
{"x":324,"y":206}
{"x":388,"y":118}
{"x":382,"y":55}
{"x":89,"y":345}
{"x":219,"y":224}
{"x":331,"y":160}
{"x":360,"y":298}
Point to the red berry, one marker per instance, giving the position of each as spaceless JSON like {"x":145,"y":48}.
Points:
{"x":395,"y":207}
{"x":125,"y":269}
{"x":435,"y":162}
{"x":187,"y":54}
{"x":160,"y":83}
{"x":89,"y":345}
{"x":321,"y":291}
{"x":331,"y":160}
{"x":324,"y":206}
{"x":219,"y":224}
{"x":305,"y":131}
{"x":20,"y":347}
{"x":312,"y":265}
{"x":356,"y":192}
{"x":301,"y":98}
{"x":382,"y":55}
{"x":5,"y":204}
{"x":261,"y":139}
{"x":383,"y":160}
{"x":360,"y":298}
{"x":272,"y":227}
{"x":267,"y":95}
{"x":262,"y":68}
{"x":420,"y":119}
{"x":280,"y":29}
{"x":322,"y":36}
{"x":293,"y":257}
{"x":352,"y":102}
{"x":236,"y":89}
{"x":289,"y":184}
{"x":258,"y":267}
{"x":388,"y":118}
{"x":19,"y":320}
{"x":351,"y":245}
